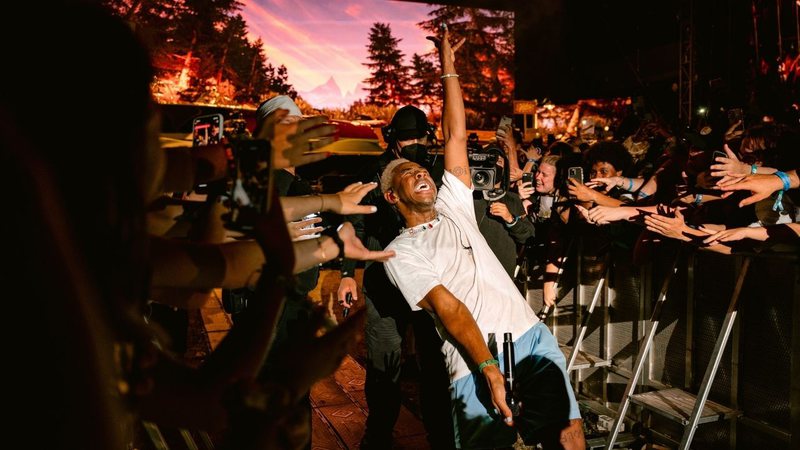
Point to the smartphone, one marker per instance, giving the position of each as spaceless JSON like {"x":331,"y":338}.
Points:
{"x":717,"y":154}
{"x":505,"y":120}
{"x":527,"y":177}
{"x":736,"y":115}
{"x":251,"y":190}
{"x":207,"y":129}
{"x":575,"y":173}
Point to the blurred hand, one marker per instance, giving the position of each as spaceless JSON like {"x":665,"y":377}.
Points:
{"x":500,"y":210}
{"x":730,"y":166}
{"x":609,"y":182}
{"x":584,"y":213}
{"x":603,"y":215}
{"x":355,"y":249}
{"x":525,"y":190}
{"x":347,"y":200}
{"x":580,"y":191}
{"x":733,"y":234}
{"x":348,"y":285}
{"x":497,"y":386}
{"x":505,"y":137}
{"x":514,"y":174}
{"x":291,"y":140}
{"x":533,"y":152}
{"x":760,"y":186}
{"x":298,"y":229}
{"x":671,"y":227}
{"x":549,"y":293}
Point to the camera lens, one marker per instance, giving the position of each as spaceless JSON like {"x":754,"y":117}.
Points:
{"x":481,"y":179}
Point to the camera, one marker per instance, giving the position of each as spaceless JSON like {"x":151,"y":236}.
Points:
{"x":485,"y":174}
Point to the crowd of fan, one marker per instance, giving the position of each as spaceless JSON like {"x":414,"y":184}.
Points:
{"x":728,"y":190}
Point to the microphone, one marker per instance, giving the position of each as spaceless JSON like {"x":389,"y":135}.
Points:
{"x":348,"y":300}
{"x":508,"y":373}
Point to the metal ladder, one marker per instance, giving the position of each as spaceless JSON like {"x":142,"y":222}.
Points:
{"x":576,"y":358}
{"x":678,"y":405}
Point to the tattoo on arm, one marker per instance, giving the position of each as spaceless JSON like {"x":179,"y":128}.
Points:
{"x":458,"y":171}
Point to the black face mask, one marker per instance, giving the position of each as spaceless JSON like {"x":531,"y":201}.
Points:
{"x":417,"y":153}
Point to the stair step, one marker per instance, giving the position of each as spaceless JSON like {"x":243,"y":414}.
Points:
{"x":623,"y":440}
{"x":677,"y":405}
{"x":584,"y":360}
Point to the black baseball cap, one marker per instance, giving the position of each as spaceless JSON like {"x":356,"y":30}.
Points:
{"x":409,"y":122}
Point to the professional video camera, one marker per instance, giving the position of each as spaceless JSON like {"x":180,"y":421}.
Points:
{"x":484,"y":171}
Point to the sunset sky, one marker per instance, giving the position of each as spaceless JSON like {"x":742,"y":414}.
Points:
{"x":318,"y":39}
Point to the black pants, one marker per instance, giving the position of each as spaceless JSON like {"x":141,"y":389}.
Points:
{"x":384,"y":333}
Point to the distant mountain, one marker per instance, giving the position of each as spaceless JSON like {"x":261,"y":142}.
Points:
{"x":329,"y":95}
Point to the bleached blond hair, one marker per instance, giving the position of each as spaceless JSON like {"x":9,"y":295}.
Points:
{"x":388,"y":173}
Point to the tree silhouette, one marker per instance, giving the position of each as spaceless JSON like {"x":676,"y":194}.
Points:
{"x":206,"y":42}
{"x":485,"y":61}
{"x":389,"y":82}
{"x":425,"y":84}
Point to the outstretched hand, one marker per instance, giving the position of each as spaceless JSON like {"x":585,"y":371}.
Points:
{"x":760,"y":186}
{"x":355,"y":249}
{"x":729,"y":166}
{"x":350,"y":197}
{"x":292,"y":138}
{"x":609,"y":183}
{"x":443,"y":44}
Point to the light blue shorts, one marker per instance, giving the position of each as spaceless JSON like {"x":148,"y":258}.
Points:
{"x":543,"y":388}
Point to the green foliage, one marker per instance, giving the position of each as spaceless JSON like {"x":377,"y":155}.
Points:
{"x":389,"y":82}
{"x":425,"y":84}
{"x":201,"y":50}
{"x":485,"y":60}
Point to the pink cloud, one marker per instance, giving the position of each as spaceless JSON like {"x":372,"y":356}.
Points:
{"x":353,"y":10}
{"x":319,"y":40}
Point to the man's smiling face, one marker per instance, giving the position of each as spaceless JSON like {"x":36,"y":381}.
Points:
{"x":413,"y":186}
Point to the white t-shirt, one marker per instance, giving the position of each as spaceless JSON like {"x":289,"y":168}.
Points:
{"x":451,"y":251}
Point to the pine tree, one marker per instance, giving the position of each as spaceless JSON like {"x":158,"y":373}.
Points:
{"x":485,"y":61}
{"x":389,"y":82}
{"x":425,"y":85}
{"x":208,"y":38}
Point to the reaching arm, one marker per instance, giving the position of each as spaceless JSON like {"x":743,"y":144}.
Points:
{"x":345,"y":202}
{"x":460,"y":324}
{"x":454,"y":122}
{"x":238,"y":264}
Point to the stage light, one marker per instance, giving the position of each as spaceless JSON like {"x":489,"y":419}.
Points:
{"x":702,"y":110}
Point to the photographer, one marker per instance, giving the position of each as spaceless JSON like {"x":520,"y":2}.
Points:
{"x":502,"y":222}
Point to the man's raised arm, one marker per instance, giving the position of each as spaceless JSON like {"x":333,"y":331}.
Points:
{"x":454,"y":122}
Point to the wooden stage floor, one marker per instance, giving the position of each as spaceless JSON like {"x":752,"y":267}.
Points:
{"x":339,"y":408}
